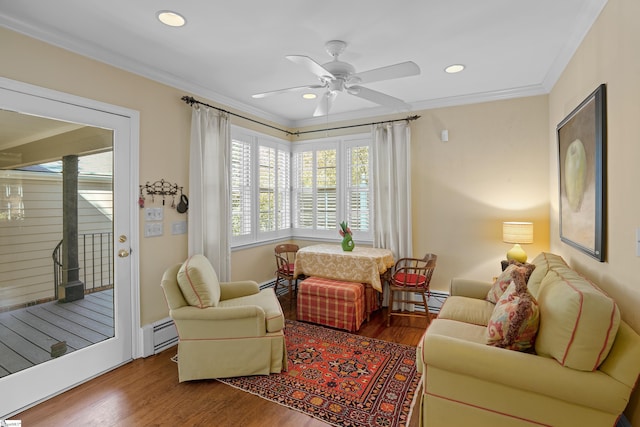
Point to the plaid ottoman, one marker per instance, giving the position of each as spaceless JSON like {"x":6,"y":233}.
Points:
{"x":372,"y":299}
{"x":331,"y":303}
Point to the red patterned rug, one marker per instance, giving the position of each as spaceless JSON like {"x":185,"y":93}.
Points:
{"x":342,"y":379}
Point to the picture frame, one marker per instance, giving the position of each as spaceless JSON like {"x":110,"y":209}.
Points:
{"x":582,"y":141}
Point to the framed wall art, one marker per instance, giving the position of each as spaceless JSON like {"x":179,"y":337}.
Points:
{"x":582,"y":141}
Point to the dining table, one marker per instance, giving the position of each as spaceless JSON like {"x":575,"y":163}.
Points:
{"x":362,"y":264}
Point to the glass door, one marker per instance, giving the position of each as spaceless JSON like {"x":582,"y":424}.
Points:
{"x":66,"y":295}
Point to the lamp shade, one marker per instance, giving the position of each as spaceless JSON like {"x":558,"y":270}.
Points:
{"x":517,"y":232}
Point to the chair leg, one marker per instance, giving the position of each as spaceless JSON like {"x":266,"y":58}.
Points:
{"x":291,"y":293}
{"x":390,"y":309}
{"x":275,"y":287}
{"x":426,"y":307}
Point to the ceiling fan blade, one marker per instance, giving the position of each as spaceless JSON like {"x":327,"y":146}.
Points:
{"x":403,"y":69}
{"x":311,"y":65}
{"x":325,"y":104}
{"x":378,"y":97}
{"x":290,"y":89}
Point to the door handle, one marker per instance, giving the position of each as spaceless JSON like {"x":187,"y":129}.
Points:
{"x":123,"y":253}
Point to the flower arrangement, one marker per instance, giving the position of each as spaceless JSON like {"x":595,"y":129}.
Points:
{"x":344,"y":229}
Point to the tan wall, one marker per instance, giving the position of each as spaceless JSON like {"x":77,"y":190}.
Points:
{"x":492,"y":169}
{"x":609,"y":54}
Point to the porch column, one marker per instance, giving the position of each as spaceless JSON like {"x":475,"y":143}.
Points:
{"x":73,"y":288}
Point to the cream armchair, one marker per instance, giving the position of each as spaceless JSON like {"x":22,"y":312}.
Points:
{"x":225,"y":329}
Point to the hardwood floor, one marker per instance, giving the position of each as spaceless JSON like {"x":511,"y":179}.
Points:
{"x":146,"y":392}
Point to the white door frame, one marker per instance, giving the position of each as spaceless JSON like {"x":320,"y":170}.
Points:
{"x":31,"y":386}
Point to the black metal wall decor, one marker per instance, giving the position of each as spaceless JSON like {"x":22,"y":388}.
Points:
{"x":162,"y":190}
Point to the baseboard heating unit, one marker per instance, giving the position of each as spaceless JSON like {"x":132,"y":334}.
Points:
{"x":159,"y":336}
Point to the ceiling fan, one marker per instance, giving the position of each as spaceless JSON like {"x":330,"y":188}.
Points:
{"x":337,"y":76}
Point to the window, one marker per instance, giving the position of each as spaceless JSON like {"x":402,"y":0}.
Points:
{"x":260,"y":187}
{"x":331,"y":184}
{"x":303,"y":189}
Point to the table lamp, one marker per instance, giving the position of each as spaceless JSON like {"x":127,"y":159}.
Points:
{"x":517,"y":233}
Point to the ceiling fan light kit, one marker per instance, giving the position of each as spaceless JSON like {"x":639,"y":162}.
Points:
{"x":337,"y":76}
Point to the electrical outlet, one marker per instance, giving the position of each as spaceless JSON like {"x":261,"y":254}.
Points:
{"x":153,"y":229}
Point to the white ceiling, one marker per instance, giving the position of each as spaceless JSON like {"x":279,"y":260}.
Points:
{"x":230,"y":50}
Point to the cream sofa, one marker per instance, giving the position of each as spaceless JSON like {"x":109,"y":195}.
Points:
{"x":584,"y":368}
{"x":225,"y":329}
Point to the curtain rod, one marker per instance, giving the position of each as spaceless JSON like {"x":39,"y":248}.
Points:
{"x":408,"y":119}
{"x":191,"y":100}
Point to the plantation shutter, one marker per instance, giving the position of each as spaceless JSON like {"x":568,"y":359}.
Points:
{"x":241,"y":177}
{"x":303,"y":211}
{"x":326,"y":189}
{"x":267,"y":189}
{"x":283,"y":196}
{"x":358,"y":189}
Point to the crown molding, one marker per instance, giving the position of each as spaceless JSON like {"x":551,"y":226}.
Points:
{"x":589,"y":17}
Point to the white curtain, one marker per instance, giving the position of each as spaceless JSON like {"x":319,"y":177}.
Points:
{"x":392,"y":186}
{"x":209,"y":188}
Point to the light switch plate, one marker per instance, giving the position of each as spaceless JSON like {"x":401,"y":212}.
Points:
{"x":638,"y":241}
{"x":153,"y":229}
{"x":153,"y":214}
{"x":179,"y":227}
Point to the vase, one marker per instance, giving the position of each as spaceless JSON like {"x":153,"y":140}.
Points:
{"x":347,"y":243}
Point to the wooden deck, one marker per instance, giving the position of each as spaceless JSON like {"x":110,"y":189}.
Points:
{"x":28,"y":334}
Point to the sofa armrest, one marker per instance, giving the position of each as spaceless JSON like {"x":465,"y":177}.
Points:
{"x":469,"y":288}
{"x":523,"y":371}
{"x":219,"y":322}
{"x":230,"y":290}
{"x":622,"y":361}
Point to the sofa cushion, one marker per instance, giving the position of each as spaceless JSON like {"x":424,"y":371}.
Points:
{"x":543,"y":263}
{"x":514,"y":322}
{"x":458,"y":330}
{"x":198,"y":282}
{"x":578,"y":321}
{"x":505,"y":279}
{"x":469,"y":310}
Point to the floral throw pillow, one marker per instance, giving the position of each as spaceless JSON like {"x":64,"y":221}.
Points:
{"x":515,"y":319}
{"x":506,"y":277}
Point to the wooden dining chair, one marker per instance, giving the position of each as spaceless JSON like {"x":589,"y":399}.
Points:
{"x":285,"y":254}
{"x":411,"y":275}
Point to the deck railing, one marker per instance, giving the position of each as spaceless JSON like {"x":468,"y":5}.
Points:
{"x":95,"y":252}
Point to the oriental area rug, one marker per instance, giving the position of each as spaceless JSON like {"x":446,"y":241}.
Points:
{"x":342,"y":379}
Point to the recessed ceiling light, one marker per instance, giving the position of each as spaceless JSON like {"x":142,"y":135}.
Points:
{"x":456,"y":68}
{"x":170,"y":18}
{"x":309,"y":96}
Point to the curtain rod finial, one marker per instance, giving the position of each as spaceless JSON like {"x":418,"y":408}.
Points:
{"x":189,"y":100}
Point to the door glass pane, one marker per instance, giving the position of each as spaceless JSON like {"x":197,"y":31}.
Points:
{"x":56,"y":239}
